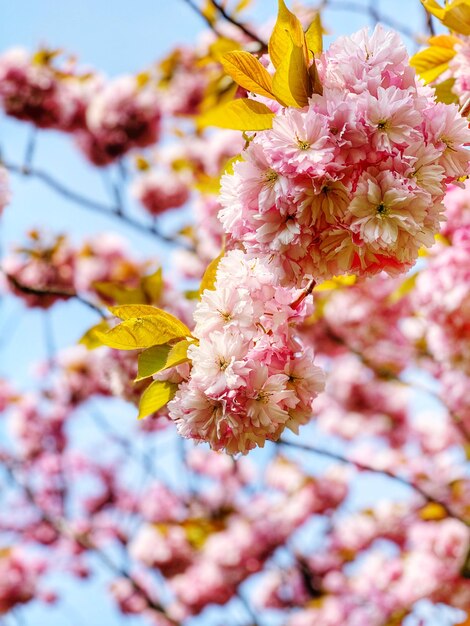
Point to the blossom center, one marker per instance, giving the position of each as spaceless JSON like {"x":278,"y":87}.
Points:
{"x":303,"y":145}
{"x":382,"y":210}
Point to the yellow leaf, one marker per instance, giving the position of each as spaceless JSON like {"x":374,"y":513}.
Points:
{"x":291,"y":82}
{"x":432,"y":512}
{"x":455,"y":15}
{"x":116,"y":293}
{"x":145,"y":331}
{"x":432,"y":62}
{"x":220,"y":47}
{"x":336,"y":283}
{"x":314,"y":35}
{"x":91,"y":339}
{"x":248,"y":72}
{"x":240,"y":114}
{"x":287,"y":29}
{"x":128,"y":311}
{"x":151,"y":361}
{"x":155,"y":397}
{"x":208,"y":280}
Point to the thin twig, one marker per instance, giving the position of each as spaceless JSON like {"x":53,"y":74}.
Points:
{"x":239,"y":25}
{"x":383,"y":472}
{"x":360,"y":8}
{"x":88,"y":203}
{"x":61,"y":526}
{"x":202,"y":15}
{"x":59,"y":293}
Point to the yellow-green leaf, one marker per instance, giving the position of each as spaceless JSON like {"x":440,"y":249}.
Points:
{"x":155,"y":397}
{"x":287,"y":29}
{"x":91,"y":338}
{"x":151,"y":361}
{"x":178,"y":354}
{"x":291,"y":82}
{"x":152,"y":286}
{"x":314,"y":35}
{"x":444,"y":92}
{"x":144,"y":332}
{"x":158,"y":358}
{"x":247,"y":71}
{"x":240,"y":114}
{"x":455,"y":15}
{"x":208,"y":280}
{"x":404,"y":289}
{"x":119,"y":294}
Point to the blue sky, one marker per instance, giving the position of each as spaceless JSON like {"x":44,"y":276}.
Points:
{"x":115,"y":37}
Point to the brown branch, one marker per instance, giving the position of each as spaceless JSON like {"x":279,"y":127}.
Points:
{"x":89,"y":204}
{"x":366,"y":468}
{"x":60,"y":525}
{"x":59,"y":293}
{"x":249,"y":33}
{"x":366,"y":10}
{"x":388,"y":375}
{"x":202,"y":15}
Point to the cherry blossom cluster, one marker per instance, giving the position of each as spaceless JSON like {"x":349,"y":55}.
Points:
{"x":353,"y":182}
{"x":107,"y":118}
{"x":251,"y":377}
{"x":459,"y":69}
{"x":442,"y":295}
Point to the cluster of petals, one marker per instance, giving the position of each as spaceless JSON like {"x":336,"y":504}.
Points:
{"x":353,"y":182}
{"x":107,"y":118}
{"x":123,"y":115}
{"x":459,"y":69}
{"x":251,"y":377}
{"x":33,"y":89}
{"x":158,"y":190}
{"x":18,"y":579}
{"x":442,"y":298}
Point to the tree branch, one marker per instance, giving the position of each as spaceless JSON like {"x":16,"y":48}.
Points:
{"x":239,"y":25}
{"x":383,"y":472}
{"x":89,"y":204}
{"x":36,"y":291}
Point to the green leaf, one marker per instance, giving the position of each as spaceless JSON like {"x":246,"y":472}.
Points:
{"x":158,"y":358}
{"x":157,"y":394}
{"x":151,"y":361}
{"x":240,"y":114}
{"x":248,"y":72}
{"x":91,"y":338}
{"x":145,"y":331}
{"x":120,"y":295}
{"x":208,"y":280}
